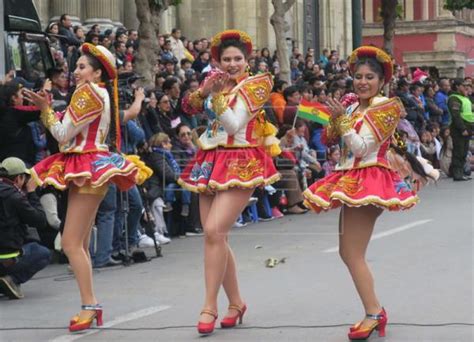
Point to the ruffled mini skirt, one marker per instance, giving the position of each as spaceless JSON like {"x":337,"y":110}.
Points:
{"x":223,"y":168}
{"x":374,"y":185}
{"x":94,"y":169}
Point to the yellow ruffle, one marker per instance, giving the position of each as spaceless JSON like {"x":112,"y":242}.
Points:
{"x":144,"y":172}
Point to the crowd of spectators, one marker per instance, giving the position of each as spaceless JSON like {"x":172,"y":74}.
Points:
{"x":158,"y":128}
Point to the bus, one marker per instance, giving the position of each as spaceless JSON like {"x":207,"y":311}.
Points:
{"x":24,"y":47}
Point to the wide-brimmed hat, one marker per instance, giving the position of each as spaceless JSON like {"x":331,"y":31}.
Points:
{"x":230,"y":34}
{"x":372,"y":52}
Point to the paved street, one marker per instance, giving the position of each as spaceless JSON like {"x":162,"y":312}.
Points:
{"x":422,"y":260}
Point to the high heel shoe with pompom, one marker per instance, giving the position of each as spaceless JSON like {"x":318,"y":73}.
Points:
{"x":358,"y":332}
{"x":77,"y":324}
{"x":231,"y":321}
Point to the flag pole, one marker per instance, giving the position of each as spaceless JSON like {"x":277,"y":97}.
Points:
{"x":296,"y":116}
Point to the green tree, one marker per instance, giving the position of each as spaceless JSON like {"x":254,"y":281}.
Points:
{"x":148,"y":14}
{"x":458,"y":5}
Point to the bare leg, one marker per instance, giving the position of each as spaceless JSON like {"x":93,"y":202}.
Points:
{"x":230,"y":283}
{"x":226,"y":207}
{"x":357,"y":225}
{"x":80,"y":213}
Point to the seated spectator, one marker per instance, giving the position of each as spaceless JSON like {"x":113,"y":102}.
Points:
{"x":306,"y":157}
{"x":19,"y":258}
{"x":92,"y":38}
{"x":277,"y":99}
{"x":161,"y":145}
{"x":427,"y":147}
{"x":286,"y":165}
{"x":434,"y":129}
{"x":435,"y":113}
{"x":334,"y":155}
{"x":292,"y":97}
{"x":53,"y":31}
{"x":166,"y":117}
{"x":413,"y":141}
{"x":202,"y":61}
{"x":59,"y":89}
{"x":148,"y":117}
{"x":184,"y":150}
{"x":446,"y":154}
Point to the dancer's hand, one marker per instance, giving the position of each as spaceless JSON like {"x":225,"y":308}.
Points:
{"x":39,"y":99}
{"x":336,"y":108}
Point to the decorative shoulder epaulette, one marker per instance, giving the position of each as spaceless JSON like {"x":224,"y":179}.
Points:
{"x":256,"y":91}
{"x":383,"y":118}
{"x":86,"y":104}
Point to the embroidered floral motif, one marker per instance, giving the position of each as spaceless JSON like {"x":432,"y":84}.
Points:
{"x":114,"y":160}
{"x":256,"y":91}
{"x":86,"y":104}
{"x":326,"y":189}
{"x":351,"y":186}
{"x":402,"y":187}
{"x":383,"y":118}
{"x":245,"y":169}
{"x":201,"y":171}
{"x":56,"y":170}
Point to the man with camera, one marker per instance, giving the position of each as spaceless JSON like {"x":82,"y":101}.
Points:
{"x":19,"y":208}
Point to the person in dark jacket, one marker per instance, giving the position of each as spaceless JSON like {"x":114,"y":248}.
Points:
{"x":163,"y":175}
{"x":183,"y":151}
{"x":19,"y":259}
{"x":166,"y":117}
{"x":16,"y":139}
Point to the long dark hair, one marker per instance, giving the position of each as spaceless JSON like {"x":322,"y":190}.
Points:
{"x":413,"y":161}
{"x":109,"y":86}
{"x":7,"y":91}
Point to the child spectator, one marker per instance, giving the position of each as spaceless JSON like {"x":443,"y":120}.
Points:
{"x":334,"y":154}
{"x":427,"y":147}
{"x":161,"y":144}
{"x":446,"y":153}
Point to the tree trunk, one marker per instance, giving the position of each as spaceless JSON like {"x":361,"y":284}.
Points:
{"x":280,"y":26}
{"x":389,"y":15}
{"x":146,"y":56}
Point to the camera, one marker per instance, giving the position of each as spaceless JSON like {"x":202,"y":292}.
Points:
{"x":126,"y":88}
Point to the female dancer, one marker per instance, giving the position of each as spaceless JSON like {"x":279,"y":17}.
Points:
{"x":84,"y":164}
{"x":231,"y":162}
{"x":363,"y":182}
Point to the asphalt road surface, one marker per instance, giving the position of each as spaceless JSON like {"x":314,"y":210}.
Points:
{"x":422,"y":261}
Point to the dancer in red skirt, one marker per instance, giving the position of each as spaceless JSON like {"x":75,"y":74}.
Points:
{"x":364,"y":183}
{"x":233,"y":159}
{"x":84,"y":165}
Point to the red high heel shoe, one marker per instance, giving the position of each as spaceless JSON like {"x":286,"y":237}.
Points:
{"x":356,"y":325}
{"x":357,"y":332}
{"x":231,"y":321}
{"x":76,"y":324}
{"x":207,"y":328}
